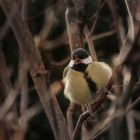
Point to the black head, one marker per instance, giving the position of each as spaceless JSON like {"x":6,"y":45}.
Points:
{"x":80,"y":60}
{"x":80,"y":53}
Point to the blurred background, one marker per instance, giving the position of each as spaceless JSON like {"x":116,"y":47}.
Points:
{"x":46,"y":21}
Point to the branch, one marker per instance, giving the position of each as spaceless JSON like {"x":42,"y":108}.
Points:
{"x":73,"y":27}
{"x":103,"y":35}
{"x":28,"y":114}
{"x":37,"y":70}
{"x":90,"y":44}
{"x":23,"y":80}
{"x":100,"y":5}
{"x":107,"y":122}
{"x":70,"y":111}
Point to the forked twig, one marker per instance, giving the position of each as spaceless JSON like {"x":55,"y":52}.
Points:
{"x":79,"y":124}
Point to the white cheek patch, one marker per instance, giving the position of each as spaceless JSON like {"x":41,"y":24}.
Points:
{"x":87,"y":60}
{"x":71,"y":63}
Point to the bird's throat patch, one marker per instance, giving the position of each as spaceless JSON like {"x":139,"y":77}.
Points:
{"x":80,"y":67}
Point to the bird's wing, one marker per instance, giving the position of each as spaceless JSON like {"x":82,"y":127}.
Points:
{"x":100,"y":73}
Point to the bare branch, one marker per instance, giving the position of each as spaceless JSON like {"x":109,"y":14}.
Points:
{"x":28,"y":114}
{"x":74,"y":33}
{"x":70,"y":111}
{"x":103,"y":35}
{"x":90,"y":44}
{"x":37,"y":71}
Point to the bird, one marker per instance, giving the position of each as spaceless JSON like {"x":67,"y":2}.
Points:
{"x":85,"y":78}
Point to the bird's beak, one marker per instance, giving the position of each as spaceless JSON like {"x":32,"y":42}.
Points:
{"x":77,"y":60}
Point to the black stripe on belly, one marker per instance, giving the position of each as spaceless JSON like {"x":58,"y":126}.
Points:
{"x":92,"y":85}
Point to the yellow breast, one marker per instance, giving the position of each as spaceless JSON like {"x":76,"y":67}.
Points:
{"x":76,"y":88}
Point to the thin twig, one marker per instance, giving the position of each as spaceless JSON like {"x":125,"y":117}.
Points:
{"x":133,"y":105}
{"x":79,"y":124}
{"x":131,"y":126}
{"x":96,"y":15}
{"x":90,"y":44}
{"x":9,"y":101}
{"x":28,"y":114}
{"x":60,"y":63}
{"x":100,"y":134}
{"x":103,"y":35}
{"x":131,"y":19}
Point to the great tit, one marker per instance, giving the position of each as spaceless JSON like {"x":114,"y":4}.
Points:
{"x":84,"y":78}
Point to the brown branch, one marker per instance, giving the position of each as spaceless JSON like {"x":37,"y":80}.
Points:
{"x":23,"y":66}
{"x":79,"y":124}
{"x":128,"y":91}
{"x":9,"y":101}
{"x":100,"y":134}
{"x":90,"y":44}
{"x":74,"y":32}
{"x":37,"y":71}
{"x":107,"y":122}
{"x":133,"y":56}
{"x":131,"y":126}
{"x":103,"y":35}
{"x":57,"y":87}
{"x":23,"y":80}
{"x":133,"y":105}
{"x":28,"y":114}
{"x":24,"y":9}
{"x":100,"y":5}
{"x":70,"y":111}
{"x":60,"y":63}
{"x":51,"y":44}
